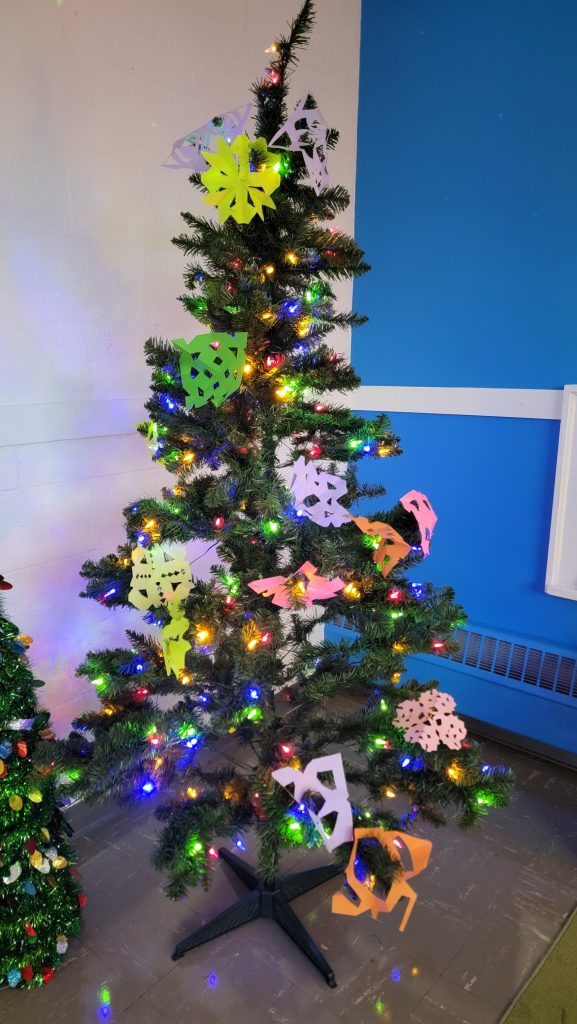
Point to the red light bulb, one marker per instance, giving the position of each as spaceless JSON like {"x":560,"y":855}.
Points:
{"x":272,"y":361}
{"x":218,"y":522}
{"x":314,"y":451}
{"x":438,"y":645}
{"x":394,"y":595}
{"x":286,"y":749}
{"x":265,"y":638}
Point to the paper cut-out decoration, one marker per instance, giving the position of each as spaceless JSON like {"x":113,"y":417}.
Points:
{"x":430,"y":721}
{"x":420,"y":852}
{"x":307,"y":132}
{"x":152,"y":437}
{"x":211,"y":367}
{"x":188,"y":151}
{"x":322,"y":489}
{"x":174,"y":646}
{"x":305,"y":591}
{"x":233,"y":187}
{"x":336,"y":797}
{"x":160,"y":575}
{"x":420,"y":506}
{"x":392,"y":548}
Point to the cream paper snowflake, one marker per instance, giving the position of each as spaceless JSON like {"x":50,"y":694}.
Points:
{"x":430,"y":721}
{"x":160,"y":574}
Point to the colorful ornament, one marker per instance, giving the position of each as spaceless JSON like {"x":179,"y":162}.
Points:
{"x":160,"y":575}
{"x":174,"y":646}
{"x":5,"y":749}
{"x":47,"y":975}
{"x":312,"y":588}
{"x":429,"y":721}
{"x":20,"y":724}
{"x":321,"y":490}
{"x":35,"y":796}
{"x":3,"y":769}
{"x":21,"y":748}
{"x":235,"y":189}
{"x":61,"y":944}
{"x":15,"y":802}
{"x":36,"y":859}
{"x":211,"y":366}
{"x":420,"y":506}
{"x":419,"y":851}
{"x":13,"y":874}
{"x":335,"y":796}
{"x":188,"y":152}
{"x":27,"y":973}
{"x":14,"y":977}
{"x":307,"y":133}
{"x":391,"y":549}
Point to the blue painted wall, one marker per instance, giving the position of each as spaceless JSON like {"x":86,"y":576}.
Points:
{"x":467,"y":209}
{"x":467,"y":192}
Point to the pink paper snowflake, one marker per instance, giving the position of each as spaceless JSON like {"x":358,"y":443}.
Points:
{"x":430,"y":721}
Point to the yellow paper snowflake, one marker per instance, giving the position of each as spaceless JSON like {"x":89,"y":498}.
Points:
{"x":235,"y":189}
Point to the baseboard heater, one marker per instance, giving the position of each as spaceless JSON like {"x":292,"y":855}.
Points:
{"x":549,"y":672}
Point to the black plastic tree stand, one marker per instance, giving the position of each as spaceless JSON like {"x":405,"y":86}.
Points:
{"x":267,"y":899}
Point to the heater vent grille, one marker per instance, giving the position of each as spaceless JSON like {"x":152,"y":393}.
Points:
{"x":524,"y":663}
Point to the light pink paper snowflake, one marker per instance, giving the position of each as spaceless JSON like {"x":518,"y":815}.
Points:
{"x":430,"y":721}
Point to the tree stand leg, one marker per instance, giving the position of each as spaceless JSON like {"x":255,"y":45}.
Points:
{"x":267,"y":899}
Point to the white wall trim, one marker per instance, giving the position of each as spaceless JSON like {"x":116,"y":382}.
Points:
{"x":519,"y":403}
{"x":68,"y":421}
{"x":561,"y":575}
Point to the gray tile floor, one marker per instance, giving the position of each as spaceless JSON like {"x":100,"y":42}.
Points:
{"x":489,"y":906}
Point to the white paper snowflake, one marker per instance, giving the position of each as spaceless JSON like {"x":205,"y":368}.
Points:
{"x":188,"y":151}
{"x":324,"y":488}
{"x":307,"y":131}
{"x":430,"y":721}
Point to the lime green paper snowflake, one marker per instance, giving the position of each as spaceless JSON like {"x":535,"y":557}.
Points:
{"x":234,"y":188}
{"x":211,"y":366}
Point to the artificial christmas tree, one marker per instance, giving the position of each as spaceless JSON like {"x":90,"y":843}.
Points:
{"x":266,"y":469}
{"x":40,"y":899}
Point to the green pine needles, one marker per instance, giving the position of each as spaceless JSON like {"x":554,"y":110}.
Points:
{"x":257,"y":690}
{"x":39,"y":898}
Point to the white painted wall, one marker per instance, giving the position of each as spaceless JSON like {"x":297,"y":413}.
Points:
{"x":92,"y":95}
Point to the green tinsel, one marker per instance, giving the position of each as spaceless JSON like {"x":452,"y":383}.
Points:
{"x":39,"y":897}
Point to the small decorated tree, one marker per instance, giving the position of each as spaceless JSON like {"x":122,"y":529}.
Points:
{"x":227,"y":707}
{"x":40,"y":899}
